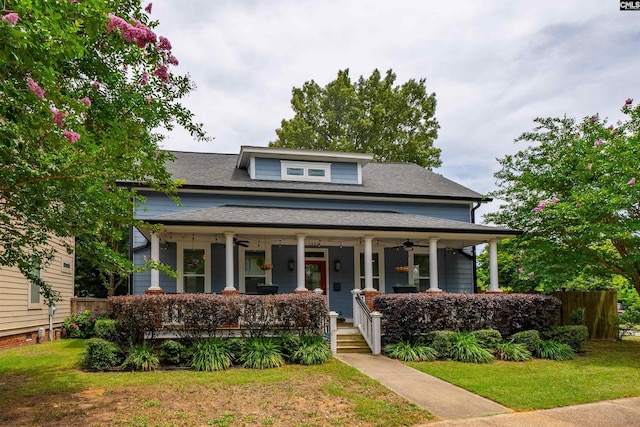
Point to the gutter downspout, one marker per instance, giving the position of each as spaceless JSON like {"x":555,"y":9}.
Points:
{"x":474,"y":271}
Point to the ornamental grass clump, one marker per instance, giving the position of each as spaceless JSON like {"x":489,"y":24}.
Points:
{"x":211,"y":354}
{"x":512,"y":351}
{"x":410,"y":352}
{"x":313,"y":350}
{"x":262,"y":353}
{"x":554,"y":351}
{"x":465,"y":348}
{"x":141,"y":358}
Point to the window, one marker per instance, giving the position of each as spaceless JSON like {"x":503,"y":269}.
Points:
{"x":376,"y":270}
{"x":306,"y":171}
{"x":34,"y":289}
{"x":421,"y":271}
{"x":193,"y":269}
{"x":253,"y":273}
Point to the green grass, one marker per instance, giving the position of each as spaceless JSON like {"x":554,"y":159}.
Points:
{"x":611,"y":370}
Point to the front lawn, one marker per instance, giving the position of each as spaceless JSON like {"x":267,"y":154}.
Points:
{"x":41,"y":384}
{"x":611,"y":370}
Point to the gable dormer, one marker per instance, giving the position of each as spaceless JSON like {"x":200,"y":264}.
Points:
{"x":286,"y":164}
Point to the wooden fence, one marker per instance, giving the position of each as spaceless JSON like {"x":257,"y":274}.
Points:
{"x":79,"y":304}
{"x":601,"y":311}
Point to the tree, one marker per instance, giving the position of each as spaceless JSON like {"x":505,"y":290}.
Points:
{"x":574,"y":194}
{"x":394,"y":123}
{"x":85,"y":88}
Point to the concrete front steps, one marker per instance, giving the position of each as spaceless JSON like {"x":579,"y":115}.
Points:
{"x":350,"y":340}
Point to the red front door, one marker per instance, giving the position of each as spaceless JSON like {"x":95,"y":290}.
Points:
{"x":315,"y":275}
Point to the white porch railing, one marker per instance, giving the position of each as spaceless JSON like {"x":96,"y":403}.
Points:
{"x":367,"y":322}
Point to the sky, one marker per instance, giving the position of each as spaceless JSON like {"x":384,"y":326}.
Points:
{"x":493,"y":65}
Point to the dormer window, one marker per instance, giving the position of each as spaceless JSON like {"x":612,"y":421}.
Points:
{"x":305,"y":171}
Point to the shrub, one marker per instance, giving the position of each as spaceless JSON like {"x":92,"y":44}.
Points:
{"x":141,"y":358}
{"x":512,"y":351}
{"x":531,"y":340}
{"x":465,"y":348}
{"x":173,"y":352}
{"x":236,"y":347}
{"x":577,"y":316}
{"x":100,"y":355}
{"x":441,"y":342}
{"x":261,"y":353}
{"x":82,"y":325}
{"x":408,"y":316}
{"x":574,"y":336}
{"x":313,"y":350}
{"x":409,"y":352}
{"x":211,"y":354}
{"x":488,"y":338}
{"x":289,"y":344}
{"x":105,"y":329}
{"x":554,"y":351}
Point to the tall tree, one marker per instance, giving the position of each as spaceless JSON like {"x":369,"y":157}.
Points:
{"x":85,"y":88}
{"x":394,"y":123}
{"x":574,"y":193}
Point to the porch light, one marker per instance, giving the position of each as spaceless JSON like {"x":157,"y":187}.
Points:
{"x":291,"y":264}
{"x":337,"y":265}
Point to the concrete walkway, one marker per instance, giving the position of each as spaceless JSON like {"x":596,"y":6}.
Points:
{"x":442,"y":399}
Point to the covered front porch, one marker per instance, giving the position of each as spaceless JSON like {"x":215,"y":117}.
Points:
{"x":233,"y":249}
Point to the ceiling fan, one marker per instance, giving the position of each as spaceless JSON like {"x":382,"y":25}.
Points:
{"x":409,"y":245}
{"x":238,"y":242}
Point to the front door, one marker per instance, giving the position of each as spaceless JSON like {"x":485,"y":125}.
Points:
{"x":315,"y":275}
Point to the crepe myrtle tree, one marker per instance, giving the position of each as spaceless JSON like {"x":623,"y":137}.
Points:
{"x":395,"y":123}
{"x":85,"y":88}
{"x":573,"y":192}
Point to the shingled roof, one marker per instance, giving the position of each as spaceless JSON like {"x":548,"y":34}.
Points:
{"x":218,"y":171}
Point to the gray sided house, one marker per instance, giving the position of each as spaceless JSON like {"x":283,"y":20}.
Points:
{"x":305,"y":220}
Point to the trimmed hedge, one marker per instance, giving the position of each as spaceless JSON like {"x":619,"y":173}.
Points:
{"x":408,"y":316}
{"x":195,"y":316}
{"x":575,"y":336}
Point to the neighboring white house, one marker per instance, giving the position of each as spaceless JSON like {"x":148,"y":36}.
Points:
{"x":24,"y":317}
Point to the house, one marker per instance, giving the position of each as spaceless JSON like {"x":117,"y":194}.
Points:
{"x":304,"y":220}
{"x":24,"y":317}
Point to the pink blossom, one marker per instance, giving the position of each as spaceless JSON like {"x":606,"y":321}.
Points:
{"x":594,"y":119}
{"x":74,"y":1}
{"x":71,"y":136}
{"x":531,"y":274}
{"x":172,"y":60}
{"x":37,"y":90}
{"x":164,"y":44}
{"x":578,"y":204}
{"x":148,"y":8}
{"x":162,"y":73}
{"x":147,"y":99}
{"x":541,"y":205}
{"x":96,"y":84}
{"x":86,"y":101}
{"x":138,"y":33}
{"x":10,"y":18}
{"x":598,"y":143}
{"x":521,"y":270}
{"x":631,"y":181}
{"x":144,"y":80}
{"x":555,"y":200}
{"x":57,"y":116}
{"x":629,"y":101}
{"x":589,"y":166}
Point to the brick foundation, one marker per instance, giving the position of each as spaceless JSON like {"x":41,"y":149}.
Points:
{"x":368,"y":298}
{"x":27,"y":338}
{"x":153,"y":291}
{"x":230,"y":292}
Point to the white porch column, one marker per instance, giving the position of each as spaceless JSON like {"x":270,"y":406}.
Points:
{"x":300,"y":287}
{"x":368,"y":264}
{"x":493,"y":266}
{"x":155,"y":256}
{"x":229,"y":280}
{"x":433,"y":265}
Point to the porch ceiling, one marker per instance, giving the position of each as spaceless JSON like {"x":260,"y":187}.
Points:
{"x":329,"y":223}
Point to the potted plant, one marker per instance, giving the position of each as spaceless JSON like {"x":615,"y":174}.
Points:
{"x":405,"y":288}
{"x":267,"y":289}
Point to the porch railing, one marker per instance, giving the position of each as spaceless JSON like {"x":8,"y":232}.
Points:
{"x":367,"y":322}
